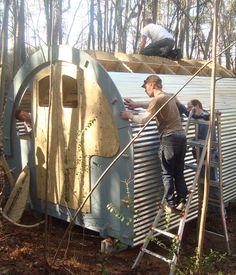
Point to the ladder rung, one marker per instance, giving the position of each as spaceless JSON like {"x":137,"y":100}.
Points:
{"x":214,"y":233}
{"x":214,"y":164}
{"x":213,"y":183}
{"x":200,"y":142}
{"x":214,"y":202}
{"x":191,"y":166}
{"x":195,"y":166}
{"x":200,"y":121}
{"x":163,"y":232}
{"x":156,"y":255}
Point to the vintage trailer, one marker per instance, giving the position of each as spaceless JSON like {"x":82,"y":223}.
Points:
{"x":77,"y":130}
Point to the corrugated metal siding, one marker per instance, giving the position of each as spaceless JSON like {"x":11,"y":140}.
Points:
{"x":148,"y":188}
{"x":226,"y":103}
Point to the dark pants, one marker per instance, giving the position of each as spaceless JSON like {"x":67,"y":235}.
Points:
{"x":172,"y":154}
{"x":158,"y":48}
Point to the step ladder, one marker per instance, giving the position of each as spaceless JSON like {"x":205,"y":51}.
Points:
{"x":214,"y":183}
{"x":175,"y":238}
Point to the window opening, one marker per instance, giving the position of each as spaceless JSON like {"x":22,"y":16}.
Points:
{"x":70,"y":92}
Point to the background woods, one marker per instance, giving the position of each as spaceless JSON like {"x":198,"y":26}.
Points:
{"x":110,"y":25}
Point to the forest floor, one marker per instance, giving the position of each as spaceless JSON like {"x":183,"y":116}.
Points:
{"x":22,"y":251}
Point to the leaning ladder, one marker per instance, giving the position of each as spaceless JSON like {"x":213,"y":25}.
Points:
{"x":176,"y":238}
{"x":218,"y":184}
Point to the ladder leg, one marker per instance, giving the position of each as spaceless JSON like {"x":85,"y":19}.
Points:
{"x":138,"y":259}
{"x":225,"y":229}
{"x":222,"y":206}
{"x":148,"y":237}
{"x":172,"y":270}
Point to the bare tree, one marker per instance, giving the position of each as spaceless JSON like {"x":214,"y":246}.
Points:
{"x":227,"y":30}
{"x":109,"y":28}
{"x":47,"y":8}
{"x":19,"y":35}
{"x":99,"y":25}
{"x":115,"y":25}
{"x":154,"y":10}
{"x":4,"y":53}
{"x":91,"y":38}
{"x":138,"y":25}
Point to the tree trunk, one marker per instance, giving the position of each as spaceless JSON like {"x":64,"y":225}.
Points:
{"x":91,"y":39}
{"x":4,"y":54}
{"x":99,"y":26}
{"x":59,"y":21}
{"x":181,"y":31}
{"x":47,"y":8}
{"x":110,"y":33}
{"x":115,"y":27}
{"x":19,"y":36}
{"x":119,"y":24}
{"x":187,"y":27}
{"x":125,"y":27}
{"x":154,"y":10}
{"x":105,"y":23}
{"x":136,"y":41}
{"x":206,"y":52}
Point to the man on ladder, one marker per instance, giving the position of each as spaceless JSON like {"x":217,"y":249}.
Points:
{"x":199,"y":113}
{"x":172,"y":139}
{"x":216,"y":205}
{"x":154,"y":229}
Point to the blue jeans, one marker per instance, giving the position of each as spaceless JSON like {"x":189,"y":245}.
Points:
{"x":155,"y":48}
{"x":172,"y":154}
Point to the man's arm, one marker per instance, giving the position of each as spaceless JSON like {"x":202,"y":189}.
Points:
{"x":135,"y":104}
{"x":181,"y":107}
{"x":140,"y":119}
{"x":205,"y":116}
{"x":183,"y":110}
{"x":142,"y":43}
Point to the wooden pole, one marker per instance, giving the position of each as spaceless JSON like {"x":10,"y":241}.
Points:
{"x":50,"y":99}
{"x":209,"y":141}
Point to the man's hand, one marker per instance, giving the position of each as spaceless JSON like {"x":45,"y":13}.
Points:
{"x":130,"y":103}
{"x":126,"y":115}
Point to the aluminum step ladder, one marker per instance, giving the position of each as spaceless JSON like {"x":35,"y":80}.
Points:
{"x":216,"y":183}
{"x":175,"y":238}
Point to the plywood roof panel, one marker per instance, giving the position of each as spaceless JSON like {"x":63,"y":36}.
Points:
{"x":136,"y":63}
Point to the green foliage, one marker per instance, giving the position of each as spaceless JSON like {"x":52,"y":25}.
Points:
{"x":167,"y":224}
{"x":157,"y":241}
{"x":81,"y":157}
{"x":175,"y":245}
{"x":113,"y":209}
{"x":80,"y":133}
{"x":206,"y":265}
{"x":128,"y":203}
{"x":104,"y":270}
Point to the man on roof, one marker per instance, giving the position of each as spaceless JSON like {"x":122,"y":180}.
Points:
{"x":162,"y":41}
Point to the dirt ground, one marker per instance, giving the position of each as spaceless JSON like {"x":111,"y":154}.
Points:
{"x":22,"y":251}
